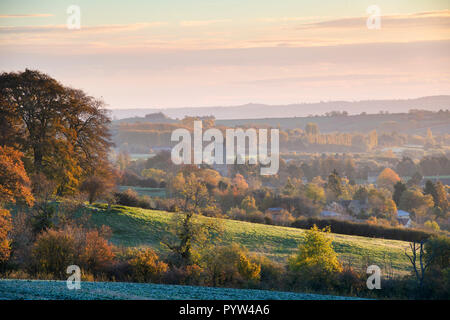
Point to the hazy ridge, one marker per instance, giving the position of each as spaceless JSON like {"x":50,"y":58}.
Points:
{"x":258,"y":111}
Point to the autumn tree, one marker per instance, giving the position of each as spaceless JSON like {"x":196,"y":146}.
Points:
{"x":96,"y":186}
{"x":14,"y":187}
{"x":387,"y":179}
{"x":441,"y":199}
{"x":439,"y":194}
{"x":316,"y":258}
{"x":315,"y":192}
{"x":186,"y":228}
{"x":239,"y":184}
{"x":334,"y":184}
{"x":413,"y":200}
{"x":5,"y":228}
{"x":61,"y":131}
{"x":249,"y":204}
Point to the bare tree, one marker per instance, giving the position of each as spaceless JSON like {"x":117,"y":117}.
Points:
{"x":417,"y":250}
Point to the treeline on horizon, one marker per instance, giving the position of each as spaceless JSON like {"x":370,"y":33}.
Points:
{"x":139,"y":137}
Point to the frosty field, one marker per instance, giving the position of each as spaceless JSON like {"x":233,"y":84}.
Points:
{"x":57,"y":290}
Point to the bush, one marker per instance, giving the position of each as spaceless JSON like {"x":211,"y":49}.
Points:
{"x":231,"y":266}
{"x":131,"y":198}
{"x":146,"y":202}
{"x":271,"y":275}
{"x":54,"y":251}
{"x":350,"y":282}
{"x":146,"y":266}
{"x":97,"y":253}
{"x":128,"y":198}
{"x":284,"y":218}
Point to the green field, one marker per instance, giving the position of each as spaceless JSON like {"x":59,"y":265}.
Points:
{"x":142,"y":191}
{"x":140,"y":227}
{"x":57,"y":290}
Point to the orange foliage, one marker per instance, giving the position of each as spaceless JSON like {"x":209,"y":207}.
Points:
{"x":97,"y":252}
{"x":387,"y":178}
{"x":14,"y":182}
{"x":5,"y":228}
{"x":146,"y":266}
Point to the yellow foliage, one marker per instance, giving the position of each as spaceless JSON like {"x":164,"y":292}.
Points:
{"x":146,"y":266}
{"x":316,"y":253}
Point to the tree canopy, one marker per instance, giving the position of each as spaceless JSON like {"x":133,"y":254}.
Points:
{"x":61,"y":131}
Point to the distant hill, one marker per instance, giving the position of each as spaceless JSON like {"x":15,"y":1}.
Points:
{"x":258,"y":111}
{"x":416,"y":123}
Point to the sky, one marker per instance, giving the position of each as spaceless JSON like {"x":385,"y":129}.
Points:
{"x":193,"y":53}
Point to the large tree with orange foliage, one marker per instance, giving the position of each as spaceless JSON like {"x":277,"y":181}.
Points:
{"x":387,"y":179}
{"x":62,"y":132}
{"x":14,"y":186}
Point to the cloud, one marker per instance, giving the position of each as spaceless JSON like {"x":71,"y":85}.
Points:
{"x":290,"y":19}
{"x":420,"y":19}
{"x":201,"y":23}
{"x":84,"y":29}
{"x":32,"y":15}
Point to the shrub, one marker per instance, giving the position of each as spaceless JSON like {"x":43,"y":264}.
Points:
{"x":271,"y":275}
{"x":54,"y":251}
{"x":194,"y":275}
{"x":131,"y":198}
{"x":146,"y":202}
{"x":284,"y":218}
{"x":432,"y":225}
{"x":97,"y":253}
{"x":231,"y":266}
{"x":146,"y":266}
{"x":127,"y":198}
{"x":350,"y":282}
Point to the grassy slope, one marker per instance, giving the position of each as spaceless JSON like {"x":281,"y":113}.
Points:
{"x":140,"y":227}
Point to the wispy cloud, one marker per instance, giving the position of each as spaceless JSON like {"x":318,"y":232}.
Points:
{"x":84,"y":29}
{"x":293,"y":19}
{"x":430,"y":18}
{"x":201,"y":23}
{"x":32,"y":15}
